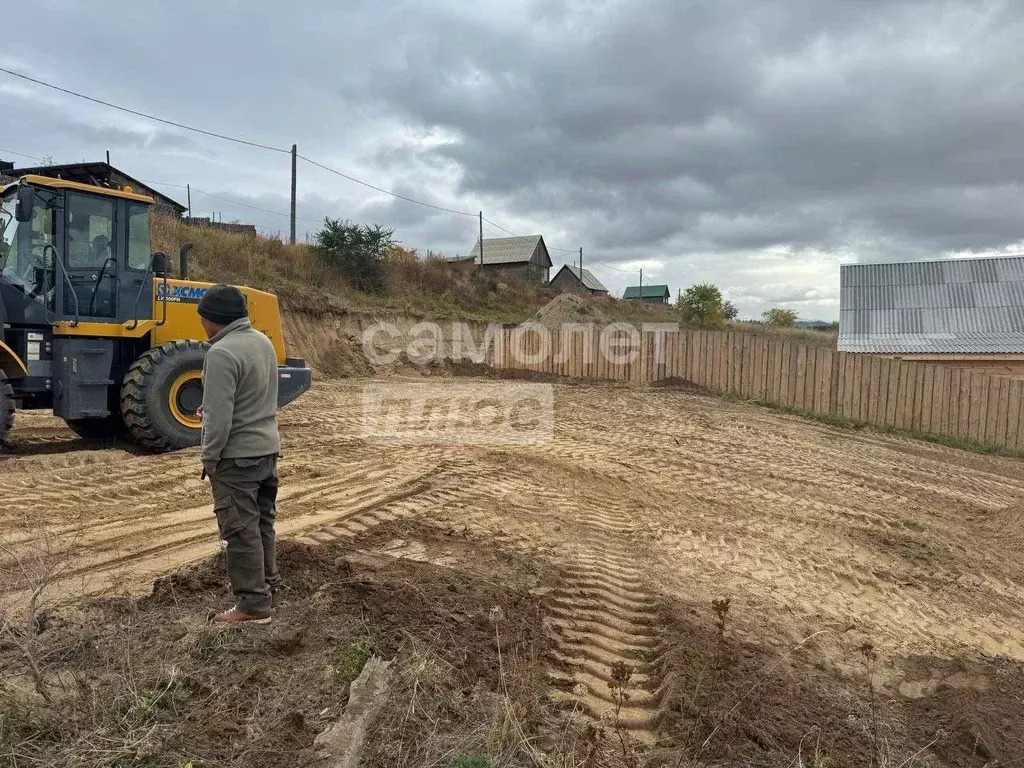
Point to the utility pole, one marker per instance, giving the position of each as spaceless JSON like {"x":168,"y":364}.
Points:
{"x":481,"y":238}
{"x":291,"y":232}
{"x":641,"y":296}
{"x":581,"y":262}
{"x":188,"y":188}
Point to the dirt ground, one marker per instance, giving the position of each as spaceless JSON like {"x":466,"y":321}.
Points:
{"x":729,"y":585}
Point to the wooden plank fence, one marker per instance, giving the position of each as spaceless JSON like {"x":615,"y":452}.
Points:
{"x":868,"y":389}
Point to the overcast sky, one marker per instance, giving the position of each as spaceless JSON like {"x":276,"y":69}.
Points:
{"x":752,"y":144}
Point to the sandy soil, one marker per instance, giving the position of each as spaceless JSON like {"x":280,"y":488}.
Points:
{"x":820,"y":538}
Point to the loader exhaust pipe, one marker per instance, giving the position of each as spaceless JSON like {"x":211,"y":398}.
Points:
{"x":183,"y":263}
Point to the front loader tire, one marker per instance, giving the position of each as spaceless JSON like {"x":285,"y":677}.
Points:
{"x":6,"y":408}
{"x":160,"y":393}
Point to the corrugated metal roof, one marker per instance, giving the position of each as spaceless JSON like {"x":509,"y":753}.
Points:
{"x":649,"y":292}
{"x":589,"y":281}
{"x":959,"y":306}
{"x":507,"y":250}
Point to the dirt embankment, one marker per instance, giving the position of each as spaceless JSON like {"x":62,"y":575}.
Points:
{"x":359,"y":344}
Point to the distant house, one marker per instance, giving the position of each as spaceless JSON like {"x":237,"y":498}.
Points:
{"x":523,"y":257}
{"x":966,"y":313}
{"x":97,"y":174}
{"x":571,"y":279}
{"x":652,"y":294}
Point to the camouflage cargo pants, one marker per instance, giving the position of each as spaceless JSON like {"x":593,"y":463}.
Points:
{"x":244,"y":500}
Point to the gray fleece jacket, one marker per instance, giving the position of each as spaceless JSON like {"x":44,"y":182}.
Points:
{"x":239,"y":396}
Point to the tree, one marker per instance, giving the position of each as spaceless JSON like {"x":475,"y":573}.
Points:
{"x":357,"y":250}
{"x":729,"y":311}
{"x":702,"y":305}
{"x":778,"y":317}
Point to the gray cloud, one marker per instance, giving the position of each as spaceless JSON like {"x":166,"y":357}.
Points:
{"x":745,"y":143}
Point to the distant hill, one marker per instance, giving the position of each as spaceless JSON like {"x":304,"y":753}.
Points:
{"x":811,"y":324}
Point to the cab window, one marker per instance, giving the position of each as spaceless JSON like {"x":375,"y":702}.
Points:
{"x":90,"y":232}
{"x":26,"y":248}
{"x":138,"y":237}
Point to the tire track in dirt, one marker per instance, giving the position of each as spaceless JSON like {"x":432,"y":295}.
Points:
{"x":125,"y":554}
{"x":602,"y":620}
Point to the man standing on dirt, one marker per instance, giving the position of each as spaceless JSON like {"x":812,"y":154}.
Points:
{"x":240,"y":449}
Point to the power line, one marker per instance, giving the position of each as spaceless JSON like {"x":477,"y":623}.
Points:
{"x":226,"y":199}
{"x":385,"y":191}
{"x":609,"y":266}
{"x":256,"y":144}
{"x":235,"y":139}
{"x":254,"y":207}
{"x":143,"y":114}
{"x":20,"y":154}
{"x":510,"y":232}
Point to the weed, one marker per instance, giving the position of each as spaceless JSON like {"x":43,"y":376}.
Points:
{"x":475,"y":761}
{"x":721,"y":608}
{"x":29,"y":571}
{"x":841,"y":422}
{"x":622,"y":673}
{"x":867,"y":651}
{"x":208,"y":642}
{"x":23,"y":720}
{"x":352,"y":660}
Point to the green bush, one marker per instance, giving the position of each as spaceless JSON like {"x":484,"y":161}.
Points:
{"x":357,"y":250}
{"x":703,"y":305}
{"x":777,"y":317}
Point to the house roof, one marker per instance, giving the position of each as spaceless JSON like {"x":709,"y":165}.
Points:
{"x":508,"y":250}
{"x":587,"y":278}
{"x":647,"y":292}
{"x":952,"y":306}
{"x":96,"y":174}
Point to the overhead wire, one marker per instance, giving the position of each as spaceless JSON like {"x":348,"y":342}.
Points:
{"x":385,"y":191}
{"x":226,"y":199}
{"x":513,"y":234}
{"x":137,"y":113}
{"x":259,"y":145}
{"x":20,"y":154}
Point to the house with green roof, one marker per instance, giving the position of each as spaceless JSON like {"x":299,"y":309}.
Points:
{"x":652,"y":294}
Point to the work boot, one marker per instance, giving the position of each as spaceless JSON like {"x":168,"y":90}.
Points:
{"x":237,"y":616}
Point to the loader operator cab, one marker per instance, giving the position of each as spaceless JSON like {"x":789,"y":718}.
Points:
{"x":73,"y":254}
{"x":92,"y":325}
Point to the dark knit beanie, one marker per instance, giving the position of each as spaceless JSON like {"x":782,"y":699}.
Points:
{"x":223,"y":304}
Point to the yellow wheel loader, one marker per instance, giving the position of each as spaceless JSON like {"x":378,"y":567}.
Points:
{"x":93,"y":327}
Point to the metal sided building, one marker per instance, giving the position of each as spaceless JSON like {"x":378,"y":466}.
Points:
{"x":967,"y":313}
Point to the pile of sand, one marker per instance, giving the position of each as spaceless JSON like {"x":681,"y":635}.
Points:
{"x":568,"y":308}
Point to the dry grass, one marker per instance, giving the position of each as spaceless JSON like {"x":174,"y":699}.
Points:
{"x":145,"y":682}
{"x":421,"y":287}
{"x":251,"y":260}
{"x":841,"y":422}
{"x":434,"y":718}
{"x":428,"y":288}
{"x":799,"y":335}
